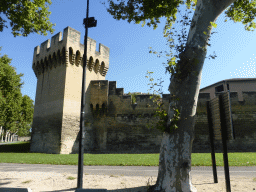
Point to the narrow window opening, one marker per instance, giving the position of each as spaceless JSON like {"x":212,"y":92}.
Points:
{"x":91,"y":106}
{"x":103,"y":109}
{"x":219,"y":88}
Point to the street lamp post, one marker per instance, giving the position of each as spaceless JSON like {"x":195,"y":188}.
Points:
{"x":88,"y":22}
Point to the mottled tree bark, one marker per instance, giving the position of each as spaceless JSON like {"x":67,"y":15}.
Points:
{"x":176,"y":148}
{"x":6,"y":136}
{"x":1,"y":133}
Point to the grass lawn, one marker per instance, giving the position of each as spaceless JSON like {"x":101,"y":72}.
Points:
{"x":19,"y":153}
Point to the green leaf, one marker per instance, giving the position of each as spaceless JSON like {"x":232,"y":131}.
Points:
{"x":27,"y":16}
{"x":213,"y":24}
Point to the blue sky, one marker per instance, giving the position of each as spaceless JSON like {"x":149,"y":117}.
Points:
{"x":129,"y":53}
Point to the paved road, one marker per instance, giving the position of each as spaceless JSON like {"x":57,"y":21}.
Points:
{"x":120,"y":170}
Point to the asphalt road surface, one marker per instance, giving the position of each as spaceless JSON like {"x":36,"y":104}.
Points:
{"x":121,"y":170}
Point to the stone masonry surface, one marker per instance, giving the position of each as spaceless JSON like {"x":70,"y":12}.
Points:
{"x":114,"y":124}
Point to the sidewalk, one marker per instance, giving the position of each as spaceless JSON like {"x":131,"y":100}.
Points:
{"x":57,"y":182}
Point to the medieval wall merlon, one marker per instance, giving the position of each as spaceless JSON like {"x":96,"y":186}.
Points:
{"x":112,"y":87}
{"x":120,"y":91}
{"x":98,"y":93}
{"x":44,"y":47}
{"x":91,"y":44}
{"x":104,"y":51}
{"x":72,"y":37}
{"x":56,"y":39}
{"x":113,"y":90}
{"x":69,"y":51}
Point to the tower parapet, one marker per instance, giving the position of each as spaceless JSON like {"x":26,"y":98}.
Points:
{"x":69,"y":51}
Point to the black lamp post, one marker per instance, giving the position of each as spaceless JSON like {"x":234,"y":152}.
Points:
{"x":88,"y":22}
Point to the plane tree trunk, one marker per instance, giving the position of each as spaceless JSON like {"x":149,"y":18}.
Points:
{"x":176,"y":147}
{"x":1,"y":133}
{"x":6,"y":136}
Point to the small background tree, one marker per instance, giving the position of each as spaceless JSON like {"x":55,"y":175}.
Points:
{"x":16,"y":110}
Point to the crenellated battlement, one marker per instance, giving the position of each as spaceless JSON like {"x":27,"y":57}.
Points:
{"x":106,"y":96}
{"x":105,"y":93}
{"x":67,"y":50}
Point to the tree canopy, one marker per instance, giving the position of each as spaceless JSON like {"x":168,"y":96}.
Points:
{"x":26,"y":116}
{"x":16,"y":111}
{"x":149,"y":12}
{"x":26,"y":16}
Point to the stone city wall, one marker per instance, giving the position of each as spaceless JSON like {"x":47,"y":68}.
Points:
{"x":244,"y":124}
{"x":114,"y":124}
{"x":124,"y":129}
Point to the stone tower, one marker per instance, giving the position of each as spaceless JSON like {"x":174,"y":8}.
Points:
{"x":57,"y":65}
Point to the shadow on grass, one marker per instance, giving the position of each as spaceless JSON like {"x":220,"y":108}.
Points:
{"x":15,"y":148}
